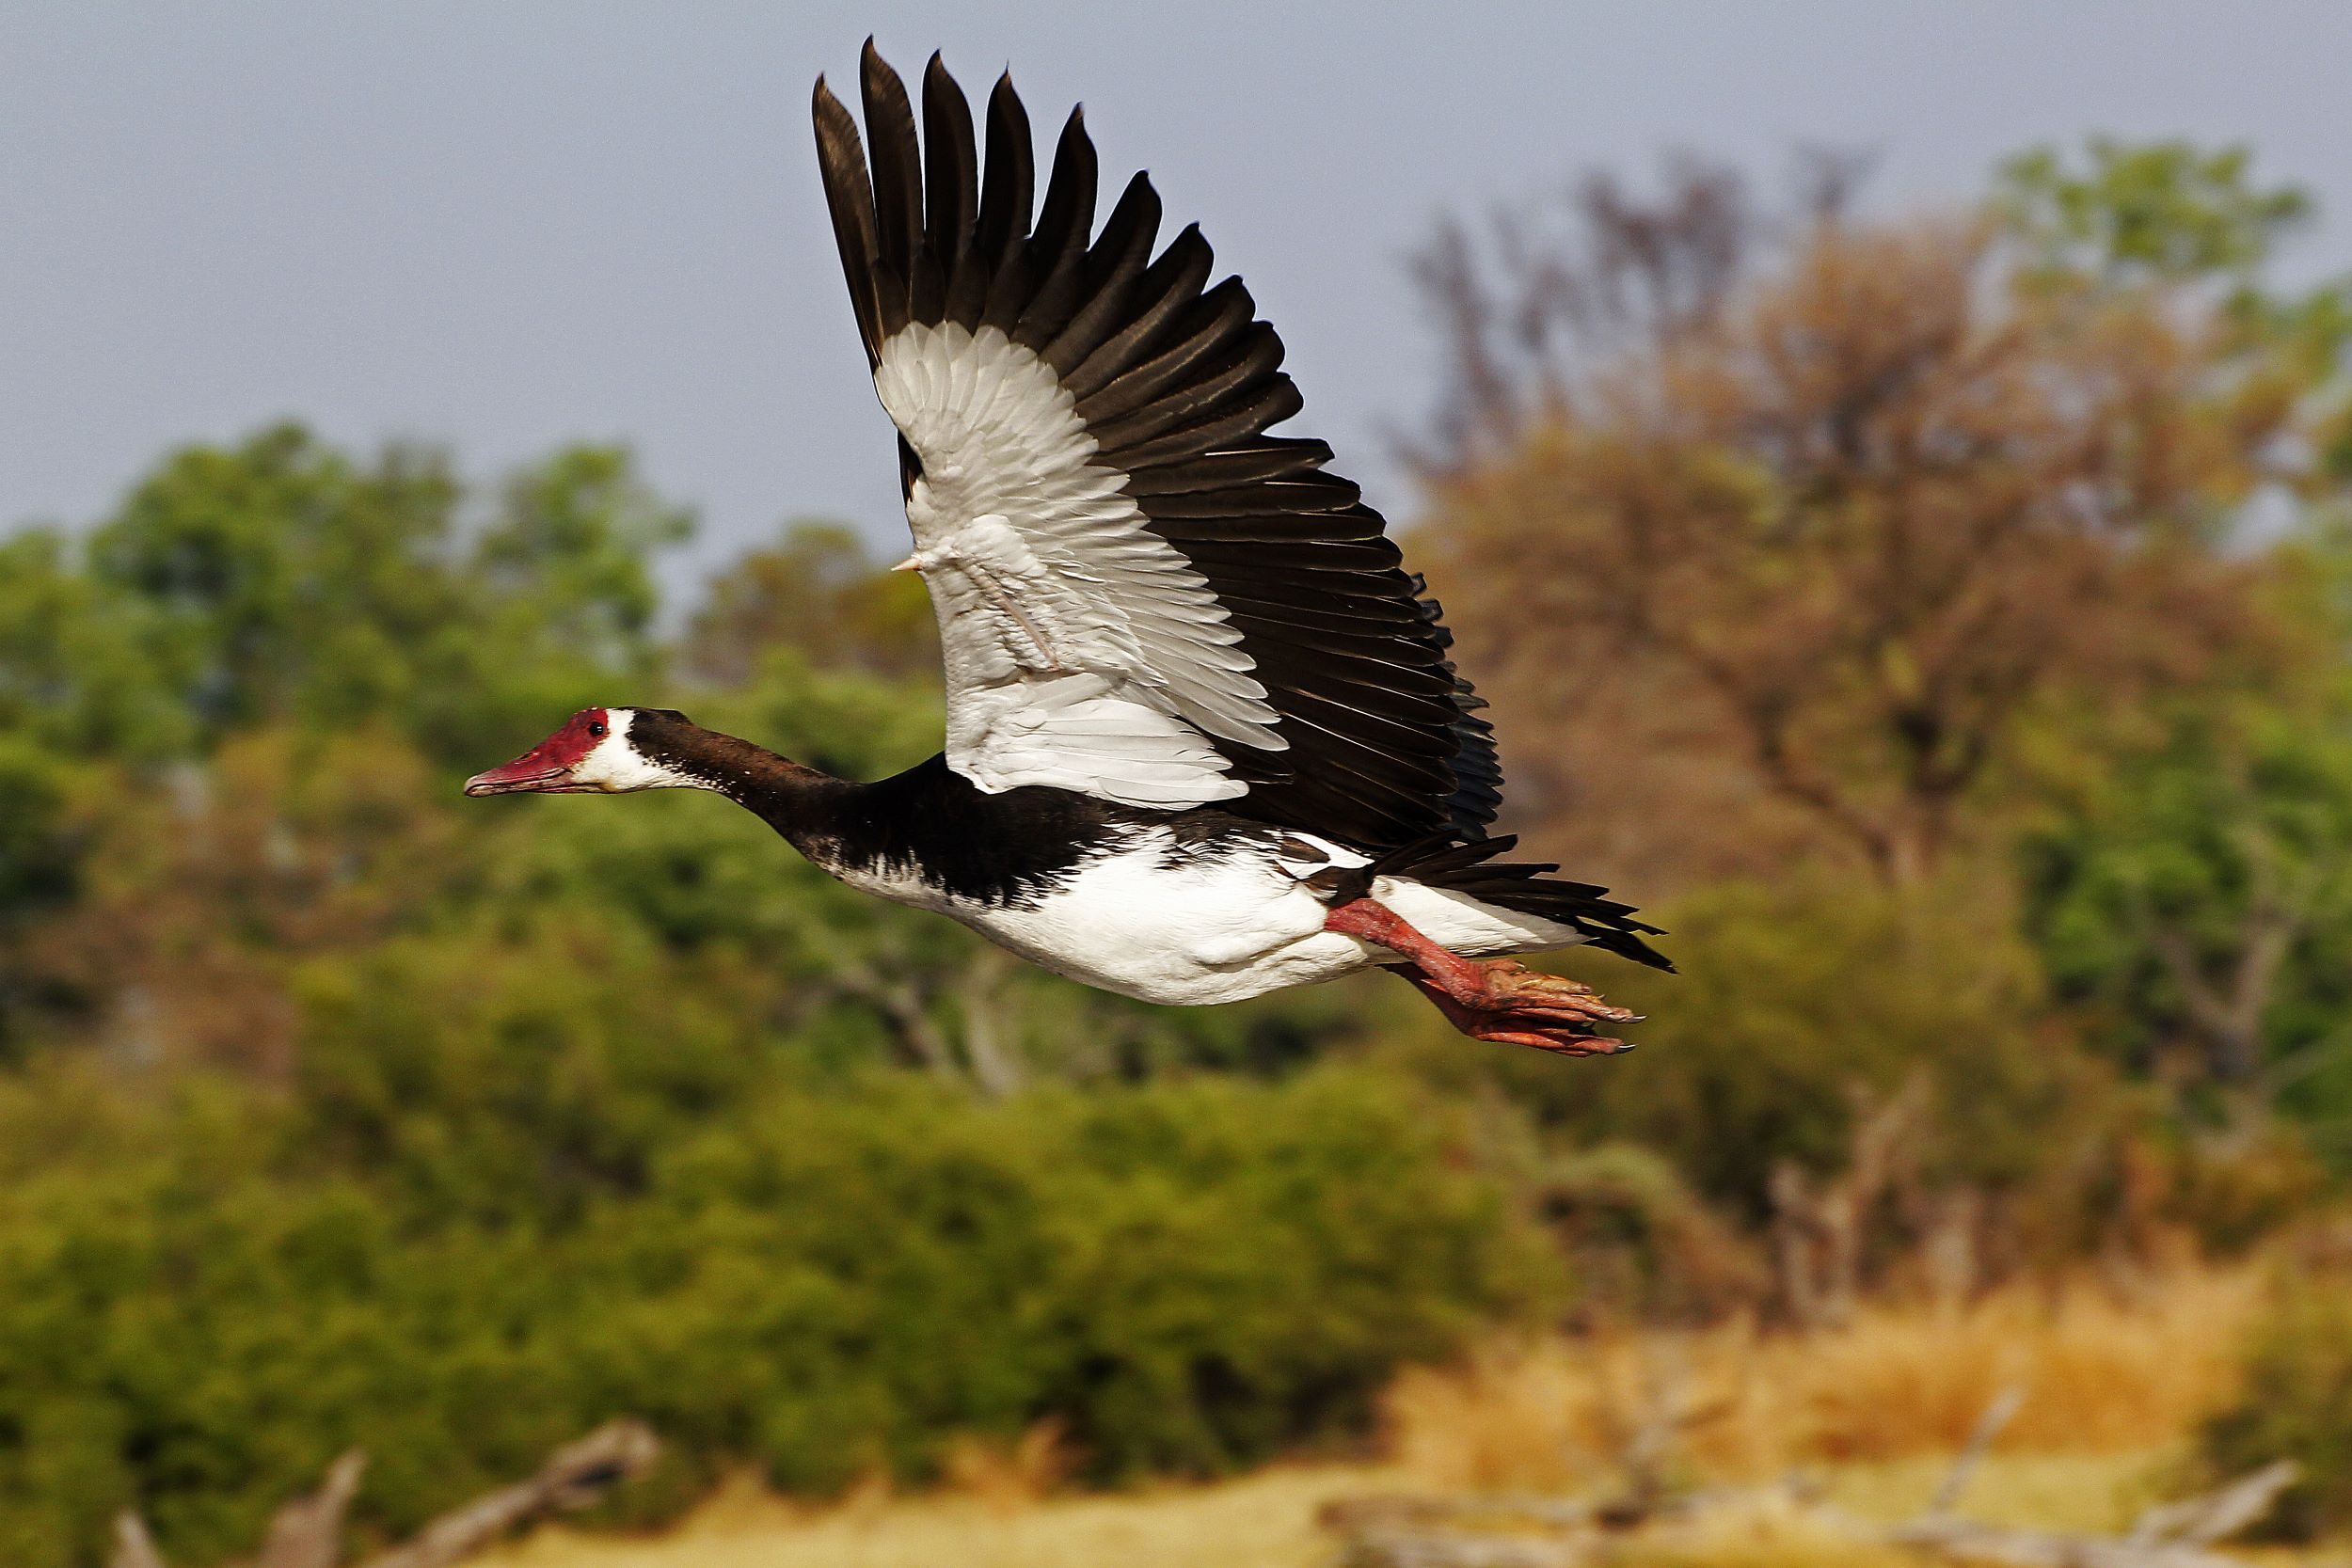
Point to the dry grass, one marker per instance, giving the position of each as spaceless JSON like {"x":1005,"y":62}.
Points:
{"x":1768,"y":1534}
{"x":1260,"y":1521}
{"x":1007,"y":1479}
{"x":1877,"y":1407}
{"x":2102,"y":1375}
{"x":2089,"y":1492}
{"x":1267,"y":1521}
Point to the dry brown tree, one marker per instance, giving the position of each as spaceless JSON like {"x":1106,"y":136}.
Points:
{"x":1765,"y":537}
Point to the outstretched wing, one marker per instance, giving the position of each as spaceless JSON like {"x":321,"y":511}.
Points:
{"x":1141,"y":594}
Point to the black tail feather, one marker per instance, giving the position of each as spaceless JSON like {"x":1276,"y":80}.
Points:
{"x":1472,"y":868}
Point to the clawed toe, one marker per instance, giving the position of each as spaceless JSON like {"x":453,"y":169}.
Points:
{"x":1512,"y":1004}
{"x":1561,"y":1042}
{"x":1519,"y":1005}
{"x":1595,"y":1011}
{"x":1513,"y":989}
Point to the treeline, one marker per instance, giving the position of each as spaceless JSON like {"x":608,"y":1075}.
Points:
{"x":340,"y":1109}
{"x":1949,"y":617}
{"x":1942,"y":624}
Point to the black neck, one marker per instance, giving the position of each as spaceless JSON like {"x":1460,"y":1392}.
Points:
{"x":928,"y":821}
{"x":802,"y":803}
{"x":787,"y":797}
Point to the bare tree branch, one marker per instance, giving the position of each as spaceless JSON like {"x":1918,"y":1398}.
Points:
{"x":574,"y":1476}
{"x":134,"y":1547}
{"x":1996,"y":1415}
{"x":308,"y":1532}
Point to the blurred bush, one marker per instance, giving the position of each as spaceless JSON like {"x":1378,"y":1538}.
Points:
{"x":203,"y":1299}
{"x":2296,"y":1404}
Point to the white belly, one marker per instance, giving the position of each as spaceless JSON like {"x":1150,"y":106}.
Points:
{"x":1193,"y":929}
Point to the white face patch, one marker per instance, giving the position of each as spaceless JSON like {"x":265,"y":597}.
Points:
{"x":616,"y":766}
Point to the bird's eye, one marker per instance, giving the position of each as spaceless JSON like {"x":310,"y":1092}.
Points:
{"x":596,"y":729}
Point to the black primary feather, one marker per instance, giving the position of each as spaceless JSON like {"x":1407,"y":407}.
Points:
{"x":1178,"y":381}
{"x":951,"y":193}
{"x":897,"y":166}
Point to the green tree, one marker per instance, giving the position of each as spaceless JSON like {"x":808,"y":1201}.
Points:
{"x":279,"y":580}
{"x":2167,"y":209}
{"x":818,"y":590}
{"x":2187,"y":885}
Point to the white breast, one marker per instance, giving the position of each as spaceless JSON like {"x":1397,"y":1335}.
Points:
{"x":1181,"y":925}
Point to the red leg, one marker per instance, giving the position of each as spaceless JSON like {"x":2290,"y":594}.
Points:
{"x":1494,"y":999}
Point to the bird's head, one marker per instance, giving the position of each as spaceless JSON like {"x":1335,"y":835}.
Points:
{"x":602,"y":751}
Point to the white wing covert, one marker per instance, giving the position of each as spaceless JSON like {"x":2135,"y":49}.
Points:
{"x":1081,"y":650}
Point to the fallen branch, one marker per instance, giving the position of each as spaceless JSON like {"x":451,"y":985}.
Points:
{"x":2216,"y":1515}
{"x":1996,"y":1415}
{"x":1965,"y":1542}
{"x":2174,"y":1535}
{"x":134,"y":1547}
{"x":307,"y":1531}
{"x":1399,"y":1530}
{"x":576,"y":1476}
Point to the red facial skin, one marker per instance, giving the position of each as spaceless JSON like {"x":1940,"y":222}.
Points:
{"x":547,"y":768}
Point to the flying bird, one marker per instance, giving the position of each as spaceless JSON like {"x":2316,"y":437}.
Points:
{"x":1205,"y":739}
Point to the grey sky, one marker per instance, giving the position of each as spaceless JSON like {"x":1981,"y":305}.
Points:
{"x":505,"y":225}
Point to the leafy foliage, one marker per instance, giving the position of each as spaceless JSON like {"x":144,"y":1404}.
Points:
{"x":817,"y":591}
{"x":500,"y":1212}
{"x":2166,"y":210}
{"x":2297,"y":1404}
{"x":2199,"y":901}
